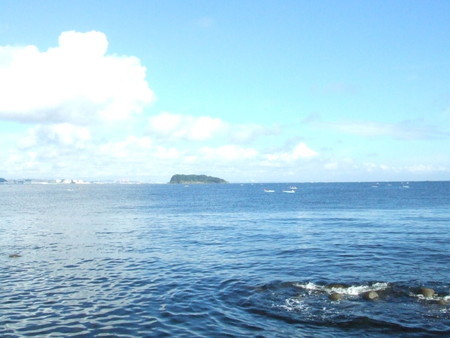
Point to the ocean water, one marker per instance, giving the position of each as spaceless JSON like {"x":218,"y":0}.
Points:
{"x":224,"y":260}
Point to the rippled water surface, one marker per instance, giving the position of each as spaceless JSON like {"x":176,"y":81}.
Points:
{"x":217,"y":260}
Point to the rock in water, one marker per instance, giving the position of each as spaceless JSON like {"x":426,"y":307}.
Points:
{"x":427,"y":292}
{"x":371,"y":295}
{"x":14,"y":255}
{"x":335,"y":297}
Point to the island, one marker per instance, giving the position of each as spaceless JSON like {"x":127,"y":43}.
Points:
{"x":195,"y":179}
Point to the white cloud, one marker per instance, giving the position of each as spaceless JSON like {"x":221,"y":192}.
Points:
{"x":186,"y":127}
{"x":426,"y":168}
{"x":69,"y":91}
{"x":167,"y":153}
{"x":363,"y":128}
{"x":62,"y":134}
{"x":131,"y":147}
{"x":331,"y":166}
{"x":244,"y":133}
{"x":300,"y":151}
{"x":228,"y":153}
{"x":371,"y":167}
{"x":75,"y":82}
{"x":203,"y":128}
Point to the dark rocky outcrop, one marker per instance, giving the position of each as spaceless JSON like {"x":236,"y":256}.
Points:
{"x":2,"y":180}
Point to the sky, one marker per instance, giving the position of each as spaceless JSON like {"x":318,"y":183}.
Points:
{"x":249,"y":91}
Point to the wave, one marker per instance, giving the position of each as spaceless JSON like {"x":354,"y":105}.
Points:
{"x":398,"y":307}
{"x":352,"y":290}
{"x":377,"y":290}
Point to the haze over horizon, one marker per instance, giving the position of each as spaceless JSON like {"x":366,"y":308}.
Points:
{"x":267,"y":91}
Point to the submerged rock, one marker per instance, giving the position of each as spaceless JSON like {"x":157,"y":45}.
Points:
{"x":371,"y":295}
{"x":427,"y":292}
{"x":443,"y":302}
{"x":335,"y":296}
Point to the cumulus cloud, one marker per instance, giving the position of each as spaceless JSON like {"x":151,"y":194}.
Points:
{"x":331,"y":165}
{"x":202,"y":128}
{"x":75,"y":82}
{"x":427,"y":168}
{"x":370,"y":167}
{"x":131,"y":147}
{"x":185,"y":127}
{"x":61,"y":135}
{"x":228,"y":153}
{"x":300,"y":151}
{"x":245,"y":133}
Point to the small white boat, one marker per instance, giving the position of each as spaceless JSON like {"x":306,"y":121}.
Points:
{"x":293,"y":187}
{"x":289,"y":191}
{"x":269,"y":190}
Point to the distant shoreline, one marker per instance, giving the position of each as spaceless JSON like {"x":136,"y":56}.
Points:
{"x":125,"y":182}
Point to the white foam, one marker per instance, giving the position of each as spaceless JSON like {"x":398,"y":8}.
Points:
{"x":421,"y":297}
{"x":294,"y":304}
{"x":354,"y":290}
{"x":360,"y":289}
{"x":435,"y":297}
{"x":309,"y":286}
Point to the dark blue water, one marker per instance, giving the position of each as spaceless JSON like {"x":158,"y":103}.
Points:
{"x":224,"y":260}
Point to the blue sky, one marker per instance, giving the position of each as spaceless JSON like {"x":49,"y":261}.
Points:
{"x":250,"y":91}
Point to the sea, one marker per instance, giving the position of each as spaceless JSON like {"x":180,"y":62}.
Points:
{"x":225,"y":260}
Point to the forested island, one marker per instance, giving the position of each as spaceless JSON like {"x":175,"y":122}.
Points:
{"x":195,"y":179}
